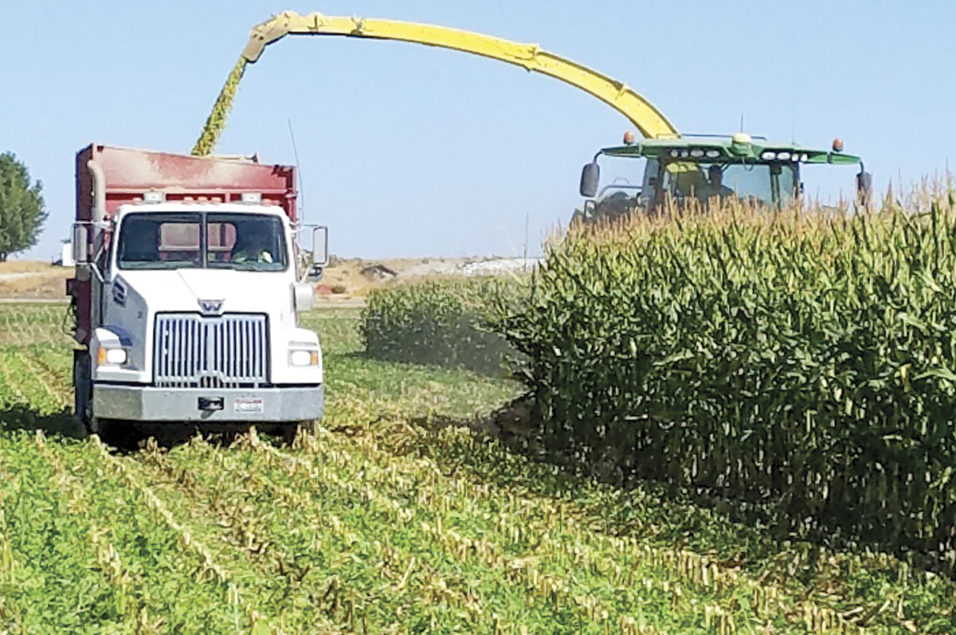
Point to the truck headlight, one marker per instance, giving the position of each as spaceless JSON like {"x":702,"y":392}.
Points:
{"x":303,"y":358}
{"x":111,"y":356}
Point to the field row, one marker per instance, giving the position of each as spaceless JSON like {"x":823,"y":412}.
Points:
{"x":387,"y":520}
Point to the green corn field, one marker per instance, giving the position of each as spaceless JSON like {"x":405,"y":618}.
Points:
{"x":399,"y":514}
{"x":389,"y":518}
{"x":667,"y":367}
{"x":443,"y":322}
{"x":799,"y":365}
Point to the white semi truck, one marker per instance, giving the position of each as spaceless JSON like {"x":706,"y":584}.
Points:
{"x":187,"y":294}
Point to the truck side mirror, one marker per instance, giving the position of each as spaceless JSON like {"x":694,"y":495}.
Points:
{"x":81,"y":245}
{"x":320,"y":253}
{"x":590,"y":177}
{"x":320,"y":246}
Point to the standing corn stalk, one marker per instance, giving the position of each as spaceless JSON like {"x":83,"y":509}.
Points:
{"x":800,"y":362}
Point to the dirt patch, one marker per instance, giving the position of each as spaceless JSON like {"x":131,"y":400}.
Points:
{"x":344,"y":279}
{"x":354,"y":277}
{"x":27,"y":279}
{"x":28,"y":266}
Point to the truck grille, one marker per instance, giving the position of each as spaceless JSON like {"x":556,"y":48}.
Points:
{"x":192,"y":351}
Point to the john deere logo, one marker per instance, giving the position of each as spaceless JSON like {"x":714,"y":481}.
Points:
{"x":211,"y":307}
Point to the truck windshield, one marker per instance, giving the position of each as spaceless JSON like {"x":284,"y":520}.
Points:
{"x":166,"y":240}
{"x":762,"y":183}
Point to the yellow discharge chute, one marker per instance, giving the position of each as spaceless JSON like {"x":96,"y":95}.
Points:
{"x":638,"y":110}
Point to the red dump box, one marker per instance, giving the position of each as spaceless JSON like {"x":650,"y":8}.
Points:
{"x":129,"y":174}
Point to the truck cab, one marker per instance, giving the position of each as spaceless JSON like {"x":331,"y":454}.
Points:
{"x":187,"y":305}
{"x":686,"y":169}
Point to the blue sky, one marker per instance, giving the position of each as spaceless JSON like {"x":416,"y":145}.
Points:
{"x":407,"y":150}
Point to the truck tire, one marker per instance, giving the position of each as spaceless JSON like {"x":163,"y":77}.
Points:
{"x":103,"y":428}
{"x":83,"y":392}
{"x":83,"y":399}
{"x":291,"y":431}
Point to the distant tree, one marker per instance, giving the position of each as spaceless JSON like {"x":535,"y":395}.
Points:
{"x":22,"y":211}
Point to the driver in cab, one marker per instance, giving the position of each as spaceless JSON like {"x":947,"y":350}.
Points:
{"x":714,"y":185}
{"x":252,"y":247}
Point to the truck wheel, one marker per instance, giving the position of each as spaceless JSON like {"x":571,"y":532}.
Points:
{"x":105,"y":429}
{"x":83,"y":392}
{"x":290,"y":431}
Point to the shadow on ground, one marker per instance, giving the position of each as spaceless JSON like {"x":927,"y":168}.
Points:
{"x":512,"y":427}
{"x":59,"y":423}
{"x":62,"y":423}
{"x":122,"y":436}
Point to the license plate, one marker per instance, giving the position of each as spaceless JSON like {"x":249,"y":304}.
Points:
{"x":248,"y":405}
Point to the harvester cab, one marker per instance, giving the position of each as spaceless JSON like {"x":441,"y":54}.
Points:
{"x":700,"y":168}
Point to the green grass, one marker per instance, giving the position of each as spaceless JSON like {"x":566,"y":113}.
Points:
{"x":387,"y":520}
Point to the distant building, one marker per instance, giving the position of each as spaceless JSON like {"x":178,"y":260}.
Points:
{"x":66,"y":254}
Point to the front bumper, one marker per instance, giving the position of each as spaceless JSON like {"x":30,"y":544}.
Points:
{"x":147,"y":403}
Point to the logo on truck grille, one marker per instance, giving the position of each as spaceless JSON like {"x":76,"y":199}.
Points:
{"x":210,"y":307}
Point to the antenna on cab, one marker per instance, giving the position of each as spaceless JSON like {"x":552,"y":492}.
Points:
{"x":298,"y":171}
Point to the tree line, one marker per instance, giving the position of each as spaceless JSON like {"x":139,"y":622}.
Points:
{"x":22,"y":210}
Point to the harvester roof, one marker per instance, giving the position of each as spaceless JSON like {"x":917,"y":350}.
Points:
{"x":741,"y":148}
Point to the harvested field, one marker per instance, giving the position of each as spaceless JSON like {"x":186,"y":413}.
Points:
{"x":390,"y":518}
